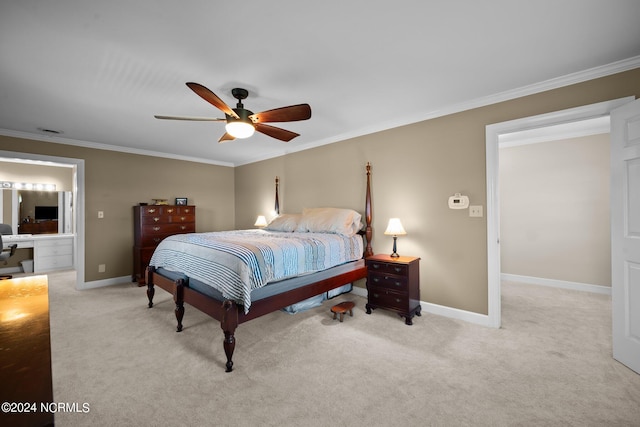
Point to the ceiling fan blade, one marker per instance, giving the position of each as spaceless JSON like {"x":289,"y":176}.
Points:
{"x":211,"y":98}
{"x":277,"y":133}
{"x":193,"y":118}
{"x":291,"y":113}
{"x":226,"y":137}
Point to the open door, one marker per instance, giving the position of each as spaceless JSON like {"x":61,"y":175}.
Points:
{"x":625,"y":233}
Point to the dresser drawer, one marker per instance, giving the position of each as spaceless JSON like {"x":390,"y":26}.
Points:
{"x":155,"y":219}
{"x":160,"y":232}
{"x":390,"y":268}
{"x":167,"y":219}
{"x":54,"y":247}
{"x":388,"y":281}
{"x":382,"y":297}
{"x":166,"y":229}
{"x":182,"y":218}
{"x":54,"y":262}
{"x":163,"y":210}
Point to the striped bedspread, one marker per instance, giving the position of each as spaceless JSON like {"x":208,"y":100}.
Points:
{"x":236,"y":262}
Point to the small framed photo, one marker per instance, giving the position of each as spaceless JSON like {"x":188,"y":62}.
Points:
{"x":181,"y":201}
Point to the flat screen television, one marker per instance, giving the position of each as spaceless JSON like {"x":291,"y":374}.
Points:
{"x":46,"y":213}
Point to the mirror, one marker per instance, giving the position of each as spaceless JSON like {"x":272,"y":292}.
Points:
{"x":38,"y":212}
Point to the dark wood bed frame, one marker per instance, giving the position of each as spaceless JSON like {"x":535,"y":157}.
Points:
{"x":230,"y":314}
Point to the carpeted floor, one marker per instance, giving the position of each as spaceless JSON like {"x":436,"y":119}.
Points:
{"x":549,"y":365}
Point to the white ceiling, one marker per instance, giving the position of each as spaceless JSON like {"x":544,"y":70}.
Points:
{"x":98,"y":71}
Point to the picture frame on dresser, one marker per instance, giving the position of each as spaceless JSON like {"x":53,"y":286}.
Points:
{"x":181,"y":201}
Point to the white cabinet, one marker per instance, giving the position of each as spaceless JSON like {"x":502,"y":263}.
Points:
{"x":52,"y":253}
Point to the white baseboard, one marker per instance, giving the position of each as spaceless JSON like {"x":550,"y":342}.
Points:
{"x":576,"y":286}
{"x":105,"y":282}
{"x":441,"y":310}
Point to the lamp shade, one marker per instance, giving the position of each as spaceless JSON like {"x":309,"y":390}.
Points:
{"x":261,"y":221}
{"x":240,"y":129}
{"x":395,"y":228}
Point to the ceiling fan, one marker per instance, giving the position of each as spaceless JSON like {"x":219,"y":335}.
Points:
{"x":241,"y":123}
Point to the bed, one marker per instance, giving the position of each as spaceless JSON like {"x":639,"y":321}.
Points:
{"x":235,"y":276}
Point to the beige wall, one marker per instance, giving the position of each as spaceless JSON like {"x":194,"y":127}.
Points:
{"x":554,"y":213}
{"x":114,"y":182}
{"x":415,"y":169}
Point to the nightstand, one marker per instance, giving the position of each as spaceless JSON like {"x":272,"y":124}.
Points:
{"x":394,"y":284}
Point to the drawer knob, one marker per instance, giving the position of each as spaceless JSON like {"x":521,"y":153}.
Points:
{"x":376,"y":279}
{"x":157,"y":239}
{"x":151,"y":211}
{"x":183,"y":218}
{"x":184,"y":227}
{"x":398,"y":269}
{"x":170,"y":210}
{"x":156,"y":228}
{"x":375,"y":266}
{"x":156,"y":219}
{"x":187,"y":210}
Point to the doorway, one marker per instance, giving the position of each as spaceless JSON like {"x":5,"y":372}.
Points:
{"x":494,"y":134}
{"x":78,"y":198}
{"x":555,"y":221}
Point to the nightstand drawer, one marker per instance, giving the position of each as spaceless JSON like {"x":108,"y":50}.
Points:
{"x":389,"y":281}
{"x":385,"y":267}
{"x":385,"y":298}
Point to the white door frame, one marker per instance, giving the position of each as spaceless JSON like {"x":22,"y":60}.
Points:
{"x":493,"y":133}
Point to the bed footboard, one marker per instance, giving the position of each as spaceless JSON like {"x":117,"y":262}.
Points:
{"x":226,"y":312}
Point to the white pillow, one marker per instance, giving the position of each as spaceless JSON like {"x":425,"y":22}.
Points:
{"x":284,"y":222}
{"x":330,"y":220}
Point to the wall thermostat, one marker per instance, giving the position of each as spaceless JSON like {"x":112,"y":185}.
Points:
{"x":458,"y":201}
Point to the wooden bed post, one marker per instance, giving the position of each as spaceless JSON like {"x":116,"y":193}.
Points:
{"x":277,"y":205}
{"x":178,"y":297}
{"x":229,"y":323}
{"x":368,"y":215}
{"x":150,"y":289}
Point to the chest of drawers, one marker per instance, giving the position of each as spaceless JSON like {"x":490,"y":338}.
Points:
{"x":151,"y":225}
{"x":394,"y":284}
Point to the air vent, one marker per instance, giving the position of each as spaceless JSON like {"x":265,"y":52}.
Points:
{"x":50,"y":131}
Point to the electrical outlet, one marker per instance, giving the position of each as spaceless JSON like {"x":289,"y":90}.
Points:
{"x":100,"y":214}
{"x":475,"y":211}
{"x":102,"y":268}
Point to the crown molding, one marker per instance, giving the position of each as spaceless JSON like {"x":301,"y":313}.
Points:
{"x":108,"y":147}
{"x":555,"y":83}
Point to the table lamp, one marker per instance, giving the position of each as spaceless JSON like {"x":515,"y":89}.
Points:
{"x":395,"y":229}
{"x":261,"y":221}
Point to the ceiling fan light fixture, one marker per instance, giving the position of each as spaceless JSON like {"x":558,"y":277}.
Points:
{"x":240,"y":129}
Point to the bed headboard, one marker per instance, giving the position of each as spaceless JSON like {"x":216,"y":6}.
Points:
{"x":368,"y":216}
